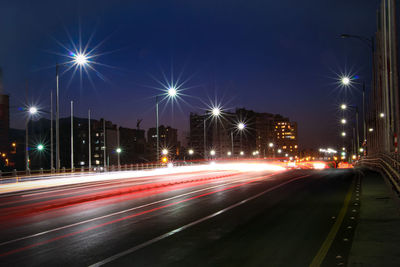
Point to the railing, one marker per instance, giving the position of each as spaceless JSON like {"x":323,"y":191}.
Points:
{"x":387,"y":164}
{"x":29,"y":175}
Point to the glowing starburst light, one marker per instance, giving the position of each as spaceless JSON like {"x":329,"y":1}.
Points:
{"x":172,"y":92}
{"x":345,"y":80}
{"x":216,"y":112}
{"x":241,"y":126}
{"x":81,"y":59}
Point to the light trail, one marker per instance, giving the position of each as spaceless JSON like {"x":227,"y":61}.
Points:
{"x":243,"y":167}
{"x":128,"y":217}
{"x":123,"y":211}
{"x":85,"y":188}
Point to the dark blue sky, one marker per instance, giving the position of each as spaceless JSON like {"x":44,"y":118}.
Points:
{"x":270,"y":56}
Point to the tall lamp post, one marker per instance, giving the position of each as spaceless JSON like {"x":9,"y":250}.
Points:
{"x":172,"y":93}
{"x":80,"y":60}
{"x":241,"y":126}
{"x":370,"y":42}
{"x":31,"y":112}
{"x":215,"y":113}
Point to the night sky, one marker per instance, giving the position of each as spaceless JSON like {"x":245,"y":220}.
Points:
{"x":270,"y":56}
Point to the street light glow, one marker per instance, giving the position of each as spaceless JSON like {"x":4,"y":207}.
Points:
{"x":343,"y":134}
{"x":345,"y":80}
{"x":229,"y":153}
{"x":32,"y":110}
{"x":119,"y":150}
{"x":191,"y":151}
{"x":382,"y":115}
{"x":241,"y":126}
{"x":241,"y":153}
{"x":216,"y":111}
{"x":343,"y":121}
{"x":371,"y":130}
{"x":279,"y":151}
{"x":164,"y":151}
{"x":80,"y":59}
{"x":40,"y":147}
{"x":343,"y":106}
{"x":172,"y":92}
{"x":212,"y":152}
{"x":271,"y":144}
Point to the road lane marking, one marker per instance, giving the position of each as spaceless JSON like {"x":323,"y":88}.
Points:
{"x":319,"y":258}
{"x":180,"y":229}
{"x":127,"y":217}
{"x":123,"y":211}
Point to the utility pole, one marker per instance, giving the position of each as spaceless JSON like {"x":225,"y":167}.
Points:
{"x":89,"y":142}
{"x":57,"y":122}
{"x":104,"y":142}
{"x":72,"y":136}
{"x":157,"y":132}
{"x":51,"y":133}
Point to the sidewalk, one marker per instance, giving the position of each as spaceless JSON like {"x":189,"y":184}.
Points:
{"x":377,"y":236}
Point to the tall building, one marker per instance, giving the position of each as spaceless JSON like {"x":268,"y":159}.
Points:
{"x":4,"y":118}
{"x":286,"y":137}
{"x":260,"y":134}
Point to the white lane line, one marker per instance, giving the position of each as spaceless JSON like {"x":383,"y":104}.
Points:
{"x":180,"y":229}
{"x":120,"y":212}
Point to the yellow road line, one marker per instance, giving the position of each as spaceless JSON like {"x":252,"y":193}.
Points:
{"x":318,"y":259}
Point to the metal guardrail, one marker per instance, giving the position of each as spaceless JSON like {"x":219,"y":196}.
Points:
{"x":387,"y":164}
{"x":22,"y":176}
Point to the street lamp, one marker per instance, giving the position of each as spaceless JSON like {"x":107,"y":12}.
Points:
{"x":343,"y":106}
{"x":40,"y":147}
{"x":78,"y":59}
{"x":271,"y":145}
{"x":343,"y":134}
{"x":212,"y":152}
{"x":31,"y":112}
{"x":371,"y":44}
{"x":345,"y":80}
{"x":164,"y":151}
{"x":370,"y":130}
{"x":382,"y":115}
{"x":241,"y":153}
{"x":172,"y":92}
{"x":215,"y":113}
{"x":241,"y":125}
{"x":119,"y":150}
{"x":343,"y":121}
{"x":191,"y":152}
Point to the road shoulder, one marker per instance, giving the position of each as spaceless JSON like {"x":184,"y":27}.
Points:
{"x":377,"y":236}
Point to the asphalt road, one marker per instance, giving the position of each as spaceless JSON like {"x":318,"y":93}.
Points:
{"x":216,"y":219}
